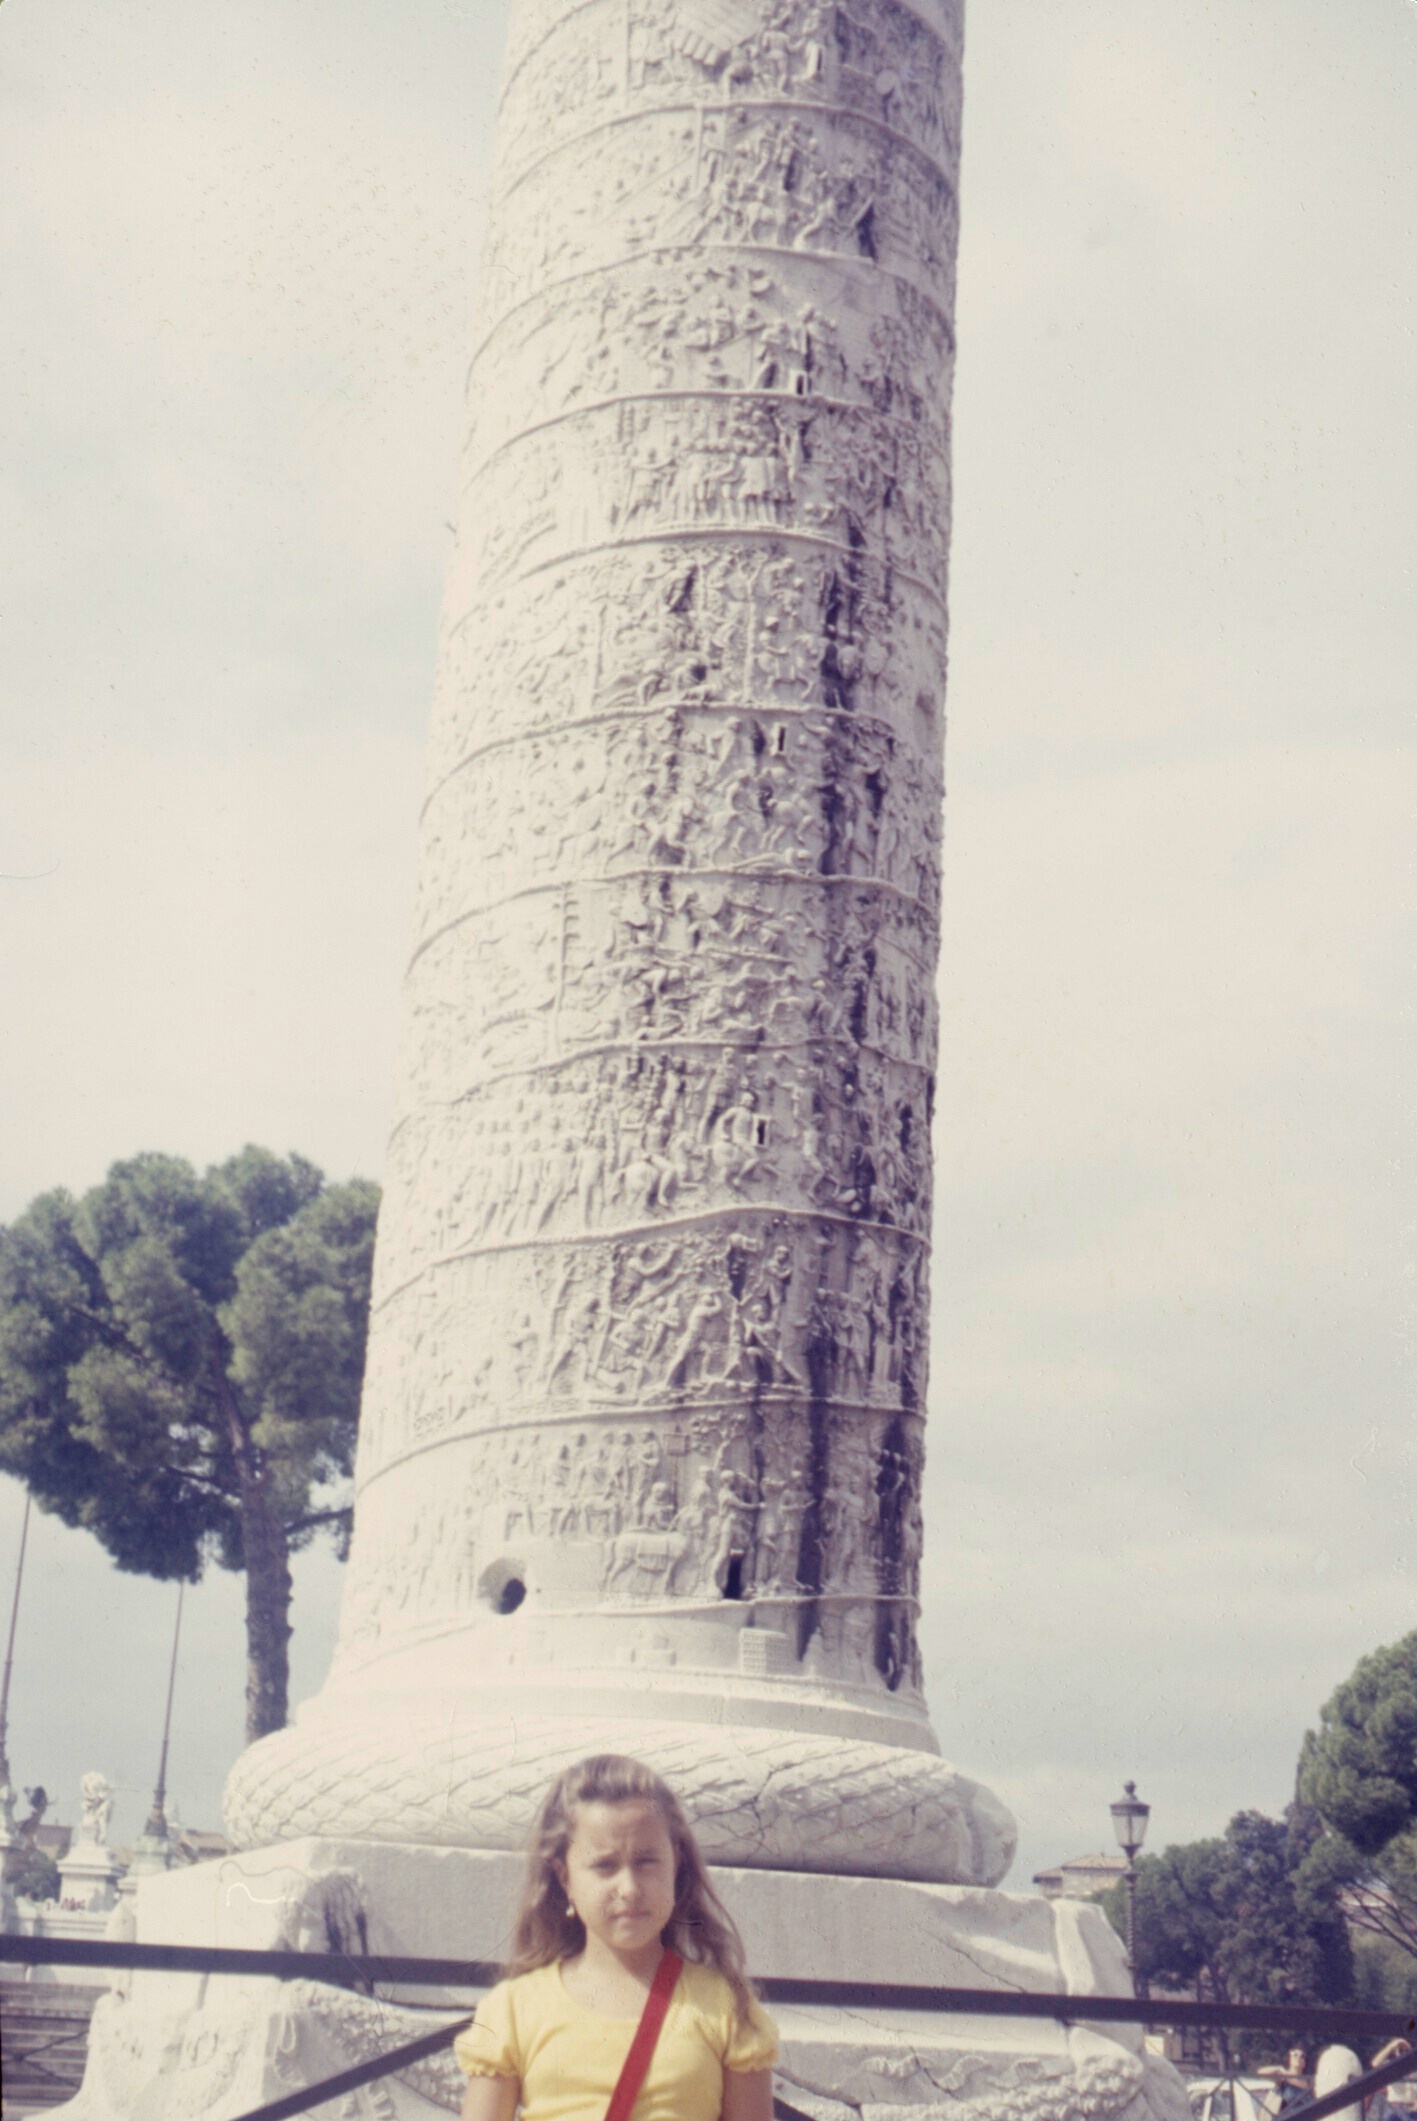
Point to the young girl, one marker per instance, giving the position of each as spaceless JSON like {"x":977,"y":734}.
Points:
{"x":613,"y":1882}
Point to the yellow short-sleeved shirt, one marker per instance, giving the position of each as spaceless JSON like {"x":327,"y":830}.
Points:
{"x":568,"y":2059}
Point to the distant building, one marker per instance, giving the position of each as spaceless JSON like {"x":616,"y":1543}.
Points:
{"x":1088,"y":1878}
{"x":192,"y":1845}
{"x":1082,"y":1877}
{"x":189,"y":1844}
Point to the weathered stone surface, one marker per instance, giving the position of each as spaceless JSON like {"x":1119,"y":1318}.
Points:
{"x":760,"y":1795}
{"x":225,"y":2047}
{"x":641,"y":1441}
{"x":394,"y":1898}
{"x":641,"y":1444}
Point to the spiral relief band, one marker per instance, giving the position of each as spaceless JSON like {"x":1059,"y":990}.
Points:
{"x":645,"y":1393}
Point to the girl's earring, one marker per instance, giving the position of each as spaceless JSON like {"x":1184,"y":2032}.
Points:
{"x":570,"y":1910}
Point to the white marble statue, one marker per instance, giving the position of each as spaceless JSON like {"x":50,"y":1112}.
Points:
{"x":97,"y":1793}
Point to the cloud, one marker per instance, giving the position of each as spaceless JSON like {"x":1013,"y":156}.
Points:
{"x":209,"y":953}
{"x":248,"y":297}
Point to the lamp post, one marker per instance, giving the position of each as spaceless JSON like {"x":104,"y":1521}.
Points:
{"x":1129,"y":1817}
{"x":152,"y":1851}
{"x":157,"y":1817}
{"x":7,"y":1797}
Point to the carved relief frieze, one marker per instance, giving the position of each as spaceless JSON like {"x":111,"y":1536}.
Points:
{"x":842,"y":475}
{"x":415,"y":1564}
{"x":768,"y":621}
{"x":823,"y":182}
{"x":658,"y":959}
{"x":715,"y":1505}
{"x":720,"y":322}
{"x":636,"y":1139}
{"x":874,"y":58}
{"x":778,"y":959}
{"x":689,"y":791}
{"x":646,"y":1371}
{"x":723,"y":1310}
{"x":652,"y":1269}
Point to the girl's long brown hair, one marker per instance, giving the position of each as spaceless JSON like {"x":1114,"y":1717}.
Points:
{"x":700,"y":1927}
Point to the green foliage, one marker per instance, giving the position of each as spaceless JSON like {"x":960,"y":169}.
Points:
{"x":1359,"y":1770}
{"x":181,"y":1358}
{"x":33,"y":1873}
{"x":1238,"y":1919}
{"x":298,"y":1322}
{"x":1358,"y":1773}
{"x":1384,"y":1975}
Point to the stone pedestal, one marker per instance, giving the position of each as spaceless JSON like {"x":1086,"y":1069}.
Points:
{"x":90,"y":1875}
{"x":46,"y":1918}
{"x":170,"y":2046}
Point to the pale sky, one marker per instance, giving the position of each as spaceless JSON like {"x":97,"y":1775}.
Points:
{"x":1173,"y":1462}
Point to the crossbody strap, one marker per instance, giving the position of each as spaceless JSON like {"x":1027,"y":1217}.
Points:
{"x":632,"y":2076}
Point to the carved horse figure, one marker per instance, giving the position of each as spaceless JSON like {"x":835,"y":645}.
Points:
{"x":652,"y":1558}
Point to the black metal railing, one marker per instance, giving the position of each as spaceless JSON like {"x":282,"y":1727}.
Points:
{"x":366,"y":1971}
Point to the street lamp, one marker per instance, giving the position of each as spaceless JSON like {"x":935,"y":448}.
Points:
{"x":6,"y":1793}
{"x":9,"y":1845}
{"x":1129,"y":1817}
{"x":156,"y":1828}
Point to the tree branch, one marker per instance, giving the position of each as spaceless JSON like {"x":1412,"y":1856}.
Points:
{"x":111,"y":1332}
{"x":119,"y":1340}
{"x":314,"y":1517}
{"x":198,"y":1480}
{"x":1372,"y":1911}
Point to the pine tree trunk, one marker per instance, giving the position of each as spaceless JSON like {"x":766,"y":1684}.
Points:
{"x":267,"y":1615}
{"x":267,"y":1556}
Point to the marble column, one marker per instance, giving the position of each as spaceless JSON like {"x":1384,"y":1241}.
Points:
{"x":641,"y":1446}
{"x":642,"y":1433}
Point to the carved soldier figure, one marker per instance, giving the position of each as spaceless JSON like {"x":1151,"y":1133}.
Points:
{"x":737,"y":1510}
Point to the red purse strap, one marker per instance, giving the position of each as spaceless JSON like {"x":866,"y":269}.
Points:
{"x":632,"y":2076}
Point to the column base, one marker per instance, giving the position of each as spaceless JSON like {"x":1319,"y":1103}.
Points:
{"x":756,"y":1795}
{"x":164,"y":2047}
